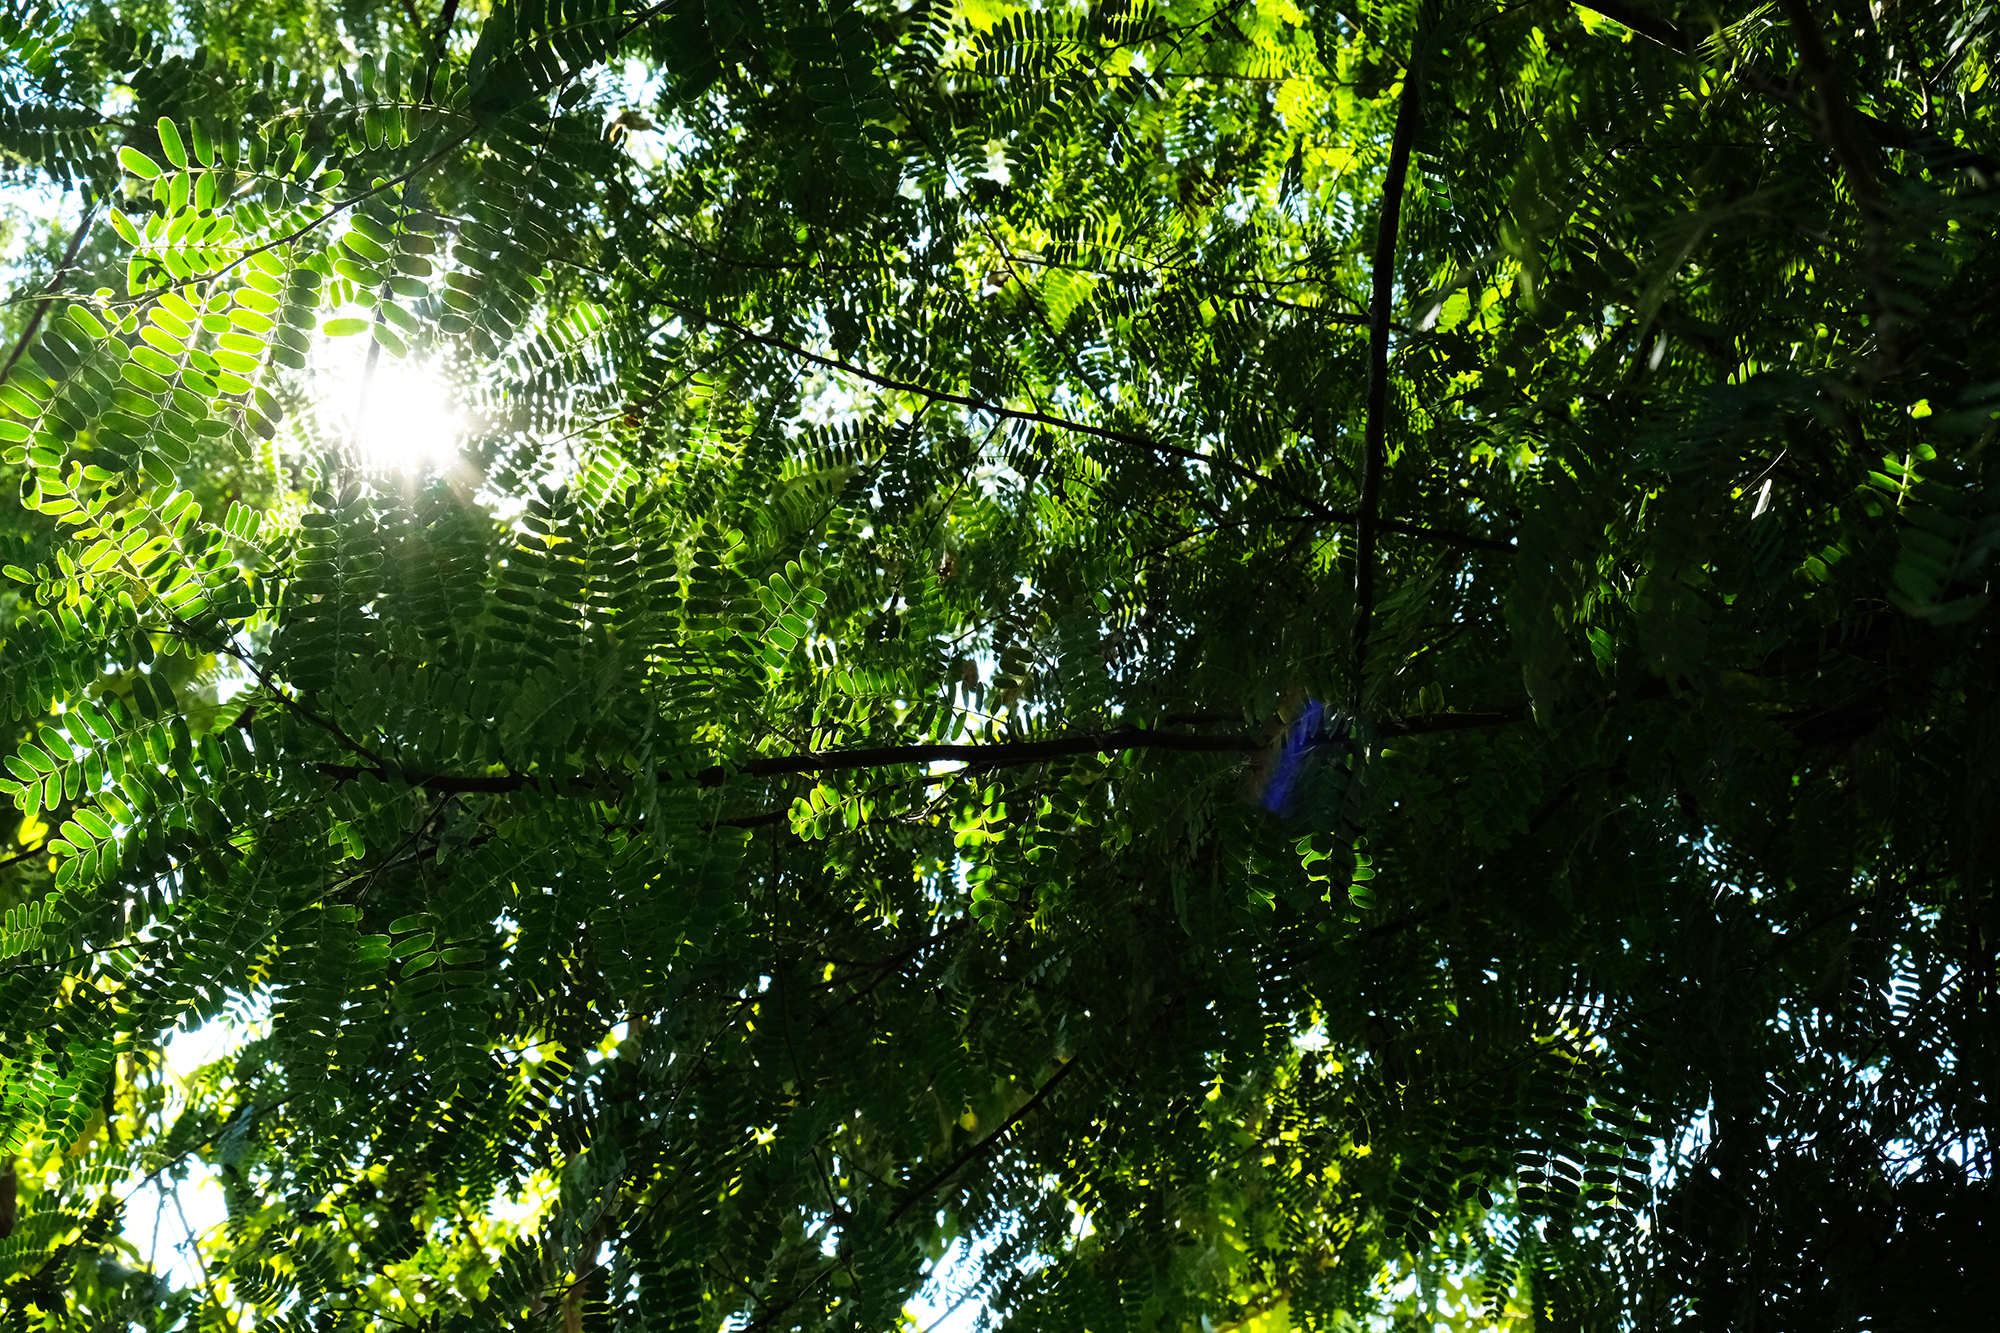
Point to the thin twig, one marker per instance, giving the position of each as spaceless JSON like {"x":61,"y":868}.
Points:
{"x":1136,"y":441}
{"x":48,"y":294}
{"x":37,"y":850}
{"x":439,"y":35}
{"x":1010,"y":413}
{"x":923,"y":1191}
{"x":201,"y":1264}
{"x":277,"y":693}
{"x":306,"y":229}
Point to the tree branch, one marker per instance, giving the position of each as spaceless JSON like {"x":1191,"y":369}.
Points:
{"x":972,"y":1150}
{"x":1885,"y":133}
{"x":1376,"y":433}
{"x":999,"y":754}
{"x":1833,"y":110}
{"x":1009,"y":413}
{"x":48,"y":295}
{"x":1431,"y":724}
{"x":440,"y":34}
{"x":1003,"y":754}
{"x":1136,"y":441}
{"x":39,"y":849}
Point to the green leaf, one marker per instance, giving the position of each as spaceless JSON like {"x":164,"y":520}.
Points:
{"x":86,"y":321}
{"x":361,"y":244}
{"x":138,"y":164}
{"x":344,"y":328}
{"x":170,"y":144}
{"x":414,"y":944}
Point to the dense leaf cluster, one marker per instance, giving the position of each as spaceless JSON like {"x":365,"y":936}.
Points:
{"x":1236,"y":664}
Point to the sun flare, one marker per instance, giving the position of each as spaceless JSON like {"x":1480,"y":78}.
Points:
{"x":399,"y":417}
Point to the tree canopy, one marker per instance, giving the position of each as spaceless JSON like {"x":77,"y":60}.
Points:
{"x":1239,"y":665}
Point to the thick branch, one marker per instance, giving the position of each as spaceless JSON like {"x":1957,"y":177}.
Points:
{"x":1432,"y":724}
{"x":1376,"y":433}
{"x":1003,"y":754}
{"x":1833,"y":109}
{"x":1000,"y":754}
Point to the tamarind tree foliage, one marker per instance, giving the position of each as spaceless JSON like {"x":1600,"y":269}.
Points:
{"x":1185,"y":664}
